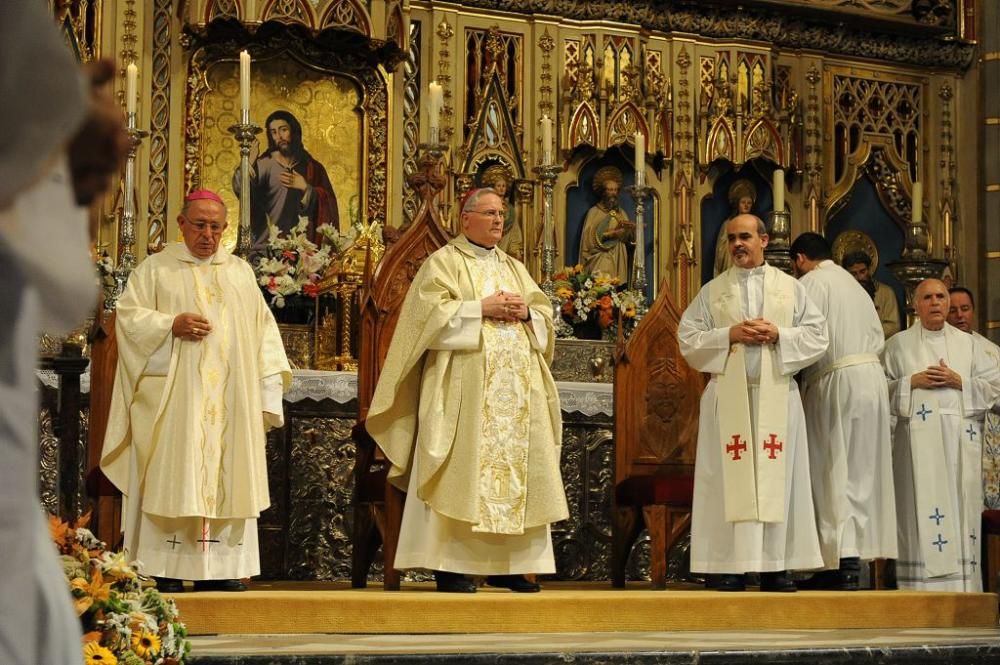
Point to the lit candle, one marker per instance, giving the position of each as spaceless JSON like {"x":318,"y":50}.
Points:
{"x":546,"y":123}
{"x":918,"y":202}
{"x":778,"y":184}
{"x":640,"y":159}
{"x":131,"y":74}
{"x":245,"y":83}
{"x":435,"y":103}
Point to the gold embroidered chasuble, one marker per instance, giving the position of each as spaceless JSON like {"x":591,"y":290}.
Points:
{"x":485,"y":420}
{"x":204,"y":456}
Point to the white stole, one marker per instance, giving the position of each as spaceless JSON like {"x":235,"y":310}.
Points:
{"x":939,"y":531}
{"x":753,"y":467}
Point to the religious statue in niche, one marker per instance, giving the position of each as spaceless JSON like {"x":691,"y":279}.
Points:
{"x":607,"y":230}
{"x":287,"y":183}
{"x":742,"y":196}
{"x":499,"y":178}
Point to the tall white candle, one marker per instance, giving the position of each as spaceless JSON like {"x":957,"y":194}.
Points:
{"x":435,"y":103}
{"x":546,"y":123}
{"x":245,"y":82}
{"x":640,"y":159}
{"x":131,"y":75}
{"x":778,"y":185}
{"x":918,"y":202}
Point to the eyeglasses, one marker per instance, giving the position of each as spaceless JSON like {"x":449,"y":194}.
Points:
{"x":489,"y":213}
{"x":214,"y":228}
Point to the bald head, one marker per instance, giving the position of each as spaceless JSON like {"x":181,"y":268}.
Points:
{"x":930,"y":302}
{"x":747,"y":236}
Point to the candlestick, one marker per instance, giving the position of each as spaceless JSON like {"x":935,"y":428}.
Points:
{"x":245,"y":86}
{"x":778,"y":184}
{"x":638,"y":279}
{"x":546,"y":123}
{"x":640,"y":159}
{"x":918,"y":202}
{"x":245,"y":134}
{"x":435,"y":103}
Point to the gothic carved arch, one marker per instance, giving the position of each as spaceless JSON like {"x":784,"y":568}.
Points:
{"x":626,"y":121}
{"x":763,"y":140}
{"x":493,"y":133}
{"x":290,"y":11}
{"x":878,"y":160}
{"x":583,"y":126}
{"x":348,"y":15}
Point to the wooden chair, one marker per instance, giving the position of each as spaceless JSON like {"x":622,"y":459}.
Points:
{"x":656,"y":430}
{"x":990,"y":554}
{"x":378,"y":505}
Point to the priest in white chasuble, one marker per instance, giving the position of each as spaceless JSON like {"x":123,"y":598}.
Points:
{"x":752,"y":328}
{"x":467,"y":412}
{"x":940,"y":385}
{"x":846,"y":401}
{"x":201,"y":372}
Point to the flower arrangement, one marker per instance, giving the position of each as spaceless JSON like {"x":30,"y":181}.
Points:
{"x":598,"y":299}
{"x":292,"y":264}
{"x":125,"y":619}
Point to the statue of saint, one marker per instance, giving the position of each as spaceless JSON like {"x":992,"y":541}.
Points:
{"x":499,"y":178}
{"x":742,"y":195}
{"x":606,"y":229}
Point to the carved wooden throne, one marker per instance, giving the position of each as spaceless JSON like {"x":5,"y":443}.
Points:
{"x":378,"y":505}
{"x":656,"y":431}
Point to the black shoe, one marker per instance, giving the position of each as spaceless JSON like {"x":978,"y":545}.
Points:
{"x":730,"y":582}
{"x":453,"y":582}
{"x":777,"y":582}
{"x":169,"y":585}
{"x":513,"y":582}
{"x":219,"y":585}
{"x":850,"y":573}
{"x":824,"y":580}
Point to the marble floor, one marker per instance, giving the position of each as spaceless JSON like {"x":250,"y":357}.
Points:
{"x":965,"y":645}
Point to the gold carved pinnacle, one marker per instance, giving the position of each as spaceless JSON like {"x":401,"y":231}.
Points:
{"x":812,"y":75}
{"x":444,"y":30}
{"x":683,"y":59}
{"x":545,"y":42}
{"x":494,"y":45}
{"x":946,"y":93}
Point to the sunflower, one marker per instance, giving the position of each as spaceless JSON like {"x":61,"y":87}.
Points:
{"x":95,"y":654}
{"x":145,"y":644}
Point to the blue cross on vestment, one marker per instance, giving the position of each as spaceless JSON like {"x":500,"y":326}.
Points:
{"x":940,"y":542}
{"x":924,"y":412}
{"x":971,"y":432}
{"x":937,"y":516}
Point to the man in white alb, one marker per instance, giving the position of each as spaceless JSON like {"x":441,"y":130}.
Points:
{"x":940,"y":385}
{"x":846,"y":401}
{"x":201,"y":371}
{"x":752,"y":328}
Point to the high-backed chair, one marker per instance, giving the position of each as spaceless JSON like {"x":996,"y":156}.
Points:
{"x":656,"y":430}
{"x":378,"y":505}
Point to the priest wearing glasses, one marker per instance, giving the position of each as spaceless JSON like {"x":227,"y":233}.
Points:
{"x":467,"y":412}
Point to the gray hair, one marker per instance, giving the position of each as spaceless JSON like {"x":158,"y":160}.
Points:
{"x":761,"y":226}
{"x":473,"y":199}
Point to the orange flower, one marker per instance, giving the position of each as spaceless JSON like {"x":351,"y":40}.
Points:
{"x":605,"y":302}
{"x":90,"y":592}
{"x":604,"y":318}
{"x":567,"y":308}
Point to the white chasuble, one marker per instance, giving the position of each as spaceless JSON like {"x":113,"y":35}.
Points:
{"x":937,"y":448}
{"x":754,"y":477}
{"x":718,"y":544}
{"x":186,"y":431}
{"x":468,"y":413}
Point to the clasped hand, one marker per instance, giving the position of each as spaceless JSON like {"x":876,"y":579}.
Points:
{"x":937,"y":376}
{"x":753,"y":331}
{"x":189,"y":326}
{"x":505,"y":306}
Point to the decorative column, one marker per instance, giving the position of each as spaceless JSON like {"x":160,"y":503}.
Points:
{"x":547,"y":174}
{"x":245,"y":133}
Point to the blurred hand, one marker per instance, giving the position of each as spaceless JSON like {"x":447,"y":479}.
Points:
{"x":100,"y":146}
{"x":190,"y":326}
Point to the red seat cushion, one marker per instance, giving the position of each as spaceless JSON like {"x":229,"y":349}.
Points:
{"x":991,"y":522}
{"x":650,"y":490}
